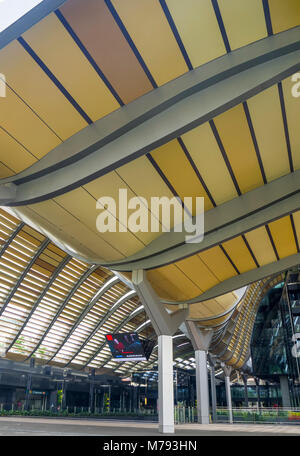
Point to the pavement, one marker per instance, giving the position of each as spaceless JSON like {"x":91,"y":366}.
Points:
{"x":24,"y":426}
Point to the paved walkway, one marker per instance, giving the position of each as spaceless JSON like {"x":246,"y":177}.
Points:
{"x":79,"y":427}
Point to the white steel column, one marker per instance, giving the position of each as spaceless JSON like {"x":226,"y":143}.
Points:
{"x":202,"y":387}
{"x":227,"y":372}
{"x":165,"y":384}
{"x":201,"y":339}
{"x":228,"y":397}
{"x":165,"y":325}
{"x":212,"y":362}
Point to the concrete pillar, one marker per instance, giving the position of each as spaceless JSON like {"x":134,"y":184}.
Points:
{"x":212,"y":363}
{"x":228,"y":398}
{"x":244,"y":377}
{"x":165,"y":384}
{"x":227,"y":372}
{"x":201,"y":339}
{"x":285,"y":391}
{"x":202,"y":387}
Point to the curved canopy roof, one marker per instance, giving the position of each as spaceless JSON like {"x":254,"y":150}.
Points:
{"x":161,"y":98}
{"x":58,"y":309}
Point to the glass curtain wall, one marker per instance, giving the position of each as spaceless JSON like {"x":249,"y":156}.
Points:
{"x":274,"y":349}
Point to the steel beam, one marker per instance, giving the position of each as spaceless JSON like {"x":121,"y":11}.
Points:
{"x":224,"y":222}
{"x":63,"y":306}
{"x":29,"y":19}
{"x":103,"y":320}
{"x":160,"y":116}
{"x":244,"y":279}
{"x":40,"y":298}
{"x":162,"y":322}
{"x":264,"y":286}
{"x":107,"y":285}
{"x":26,"y":270}
{"x":8,"y":192}
{"x":200,"y":338}
{"x":12,"y":237}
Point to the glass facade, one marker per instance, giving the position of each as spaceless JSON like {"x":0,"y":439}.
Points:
{"x":269,"y":395}
{"x":268,"y":350}
{"x":274,"y":339}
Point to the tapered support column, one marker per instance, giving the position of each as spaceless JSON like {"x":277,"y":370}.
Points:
{"x":227,"y":372}
{"x":228,"y":398}
{"x":165,"y":384}
{"x":202,"y":387}
{"x":165,"y":325}
{"x":285,"y":391}
{"x":201,"y":339}
{"x":212,"y":363}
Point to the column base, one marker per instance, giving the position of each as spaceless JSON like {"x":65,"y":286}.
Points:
{"x":166,"y":429}
{"x":204,"y":420}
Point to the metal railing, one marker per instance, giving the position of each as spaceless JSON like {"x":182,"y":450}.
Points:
{"x":182,"y":414}
{"x":263,"y":415}
{"x":19,"y":408}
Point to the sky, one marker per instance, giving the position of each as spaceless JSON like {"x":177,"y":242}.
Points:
{"x":12,"y":10}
